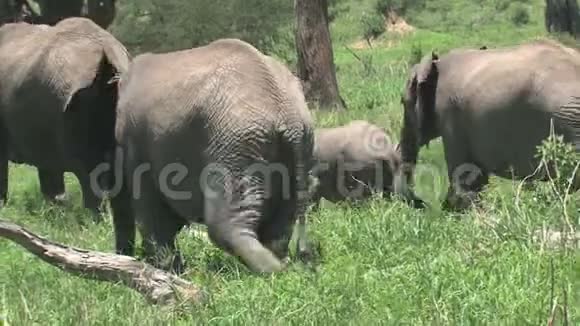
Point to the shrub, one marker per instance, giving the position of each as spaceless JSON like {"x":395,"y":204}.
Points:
{"x":559,"y":161}
{"x":416,"y":54}
{"x":373,"y":25}
{"x":165,"y":25}
{"x":520,"y":15}
{"x":336,"y":8}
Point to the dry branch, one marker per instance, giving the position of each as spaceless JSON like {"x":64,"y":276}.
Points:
{"x":158,"y":286}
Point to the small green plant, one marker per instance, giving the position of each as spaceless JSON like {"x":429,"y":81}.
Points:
{"x":416,"y":54}
{"x":519,"y":15}
{"x":559,"y":162}
{"x":373,"y":26}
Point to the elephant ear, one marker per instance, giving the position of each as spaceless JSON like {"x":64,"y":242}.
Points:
{"x":426,"y":84}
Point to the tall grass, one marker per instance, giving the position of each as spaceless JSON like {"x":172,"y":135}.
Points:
{"x":383,"y":262}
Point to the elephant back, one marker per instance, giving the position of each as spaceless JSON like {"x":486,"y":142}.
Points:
{"x":115,"y":51}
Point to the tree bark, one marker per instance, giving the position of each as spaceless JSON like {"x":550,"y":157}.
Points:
{"x":316,"y":66}
{"x":157,"y":286}
{"x":562,"y":16}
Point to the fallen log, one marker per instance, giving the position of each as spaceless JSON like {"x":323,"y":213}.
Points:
{"x":156,"y":285}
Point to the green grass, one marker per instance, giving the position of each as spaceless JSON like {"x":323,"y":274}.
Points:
{"x":383,"y":263}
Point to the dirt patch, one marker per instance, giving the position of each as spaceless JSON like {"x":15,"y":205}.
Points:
{"x":363,"y":44}
{"x":396,"y":24}
{"x":360,"y":45}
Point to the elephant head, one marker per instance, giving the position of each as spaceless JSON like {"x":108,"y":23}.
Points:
{"x":419,"y":119}
{"x":419,"y":122}
{"x":90,"y":113}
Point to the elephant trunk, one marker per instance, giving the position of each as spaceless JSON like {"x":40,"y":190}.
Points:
{"x":408,"y":148}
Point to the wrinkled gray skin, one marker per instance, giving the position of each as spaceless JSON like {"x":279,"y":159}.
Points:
{"x":57,"y":107}
{"x":224,"y":104}
{"x":491,"y":108}
{"x":353,"y":161}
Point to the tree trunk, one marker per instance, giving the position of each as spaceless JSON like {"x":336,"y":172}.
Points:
{"x":315,"y":56}
{"x":157,"y":286}
{"x":562,"y":16}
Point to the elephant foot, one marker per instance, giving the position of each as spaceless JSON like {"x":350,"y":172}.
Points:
{"x":417,"y":203}
{"x":178,"y":265}
{"x":458,"y":203}
{"x":59,"y":199}
{"x":96,"y":215}
{"x":175,"y":264}
{"x":308,"y":252}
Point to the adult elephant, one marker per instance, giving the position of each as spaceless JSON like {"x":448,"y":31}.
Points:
{"x":229,"y":127}
{"x":492,"y":108}
{"x":57,"y":101}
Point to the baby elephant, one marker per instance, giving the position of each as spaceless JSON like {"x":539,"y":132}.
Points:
{"x":353,"y":161}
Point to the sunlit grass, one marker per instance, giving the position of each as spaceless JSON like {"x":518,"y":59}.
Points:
{"x":382,"y":262}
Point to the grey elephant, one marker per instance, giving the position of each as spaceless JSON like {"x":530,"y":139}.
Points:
{"x":57,"y":101}
{"x":219,"y":135}
{"x":353,"y":161}
{"x":492,"y":108}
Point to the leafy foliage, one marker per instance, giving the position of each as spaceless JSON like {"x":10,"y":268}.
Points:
{"x":560,"y":163}
{"x":383,"y":262}
{"x":162,"y":25}
{"x":519,"y":14}
{"x":374,"y":25}
{"x":415,"y":55}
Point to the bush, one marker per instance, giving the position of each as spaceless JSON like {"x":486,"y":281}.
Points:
{"x":416,"y":55}
{"x":373,"y":25}
{"x":336,"y":8}
{"x":520,"y":15}
{"x":559,"y":161}
{"x":165,"y":25}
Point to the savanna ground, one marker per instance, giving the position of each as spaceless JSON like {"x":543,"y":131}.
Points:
{"x":382,"y":263}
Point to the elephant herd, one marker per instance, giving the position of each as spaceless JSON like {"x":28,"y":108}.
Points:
{"x":221,"y":134}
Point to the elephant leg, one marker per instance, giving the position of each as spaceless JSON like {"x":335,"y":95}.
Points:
{"x":124,"y":222}
{"x":276,"y":232}
{"x":52,"y":185}
{"x":159,"y":226}
{"x":466,"y":177}
{"x":233,"y":219}
{"x":304,"y":247}
{"x":3,"y":174}
{"x":467,"y":180}
{"x":91,"y":200}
